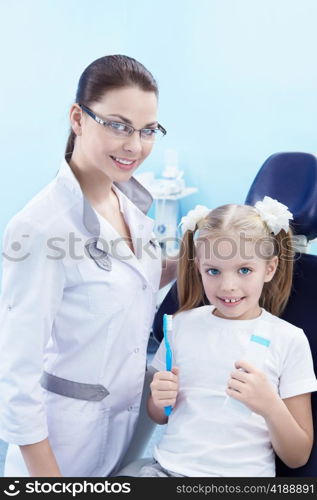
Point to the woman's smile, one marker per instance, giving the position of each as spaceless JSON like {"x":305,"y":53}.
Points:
{"x":124,"y":163}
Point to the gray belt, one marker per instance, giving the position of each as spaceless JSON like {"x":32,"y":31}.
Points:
{"x":70,"y":389}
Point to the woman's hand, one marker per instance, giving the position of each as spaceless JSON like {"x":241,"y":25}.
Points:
{"x":252,"y":387}
{"x":169,"y":269}
{"x":164,"y":388}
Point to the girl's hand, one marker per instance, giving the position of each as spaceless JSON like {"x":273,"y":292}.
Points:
{"x":164,"y":388}
{"x":251,"y":387}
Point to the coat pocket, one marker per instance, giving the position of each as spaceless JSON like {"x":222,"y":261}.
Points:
{"x":78,"y":439}
{"x":102,"y":287}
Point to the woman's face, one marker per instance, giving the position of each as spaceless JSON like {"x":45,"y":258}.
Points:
{"x":97,"y":148}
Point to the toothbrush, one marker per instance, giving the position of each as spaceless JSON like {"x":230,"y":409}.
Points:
{"x":167,"y":328}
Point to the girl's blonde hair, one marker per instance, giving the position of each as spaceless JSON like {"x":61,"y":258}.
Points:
{"x":236,"y":220}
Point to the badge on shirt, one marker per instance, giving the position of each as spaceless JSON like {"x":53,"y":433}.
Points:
{"x":100,"y":257}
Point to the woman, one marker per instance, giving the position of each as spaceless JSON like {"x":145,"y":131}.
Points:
{"x":81,"y":270}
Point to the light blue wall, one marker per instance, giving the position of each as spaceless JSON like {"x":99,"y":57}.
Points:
{"x":238,"y":82}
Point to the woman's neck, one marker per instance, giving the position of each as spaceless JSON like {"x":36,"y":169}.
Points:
{"x":95,"y":185}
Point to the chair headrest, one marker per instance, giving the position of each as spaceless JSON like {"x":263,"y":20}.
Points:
{"x":290,"y":178}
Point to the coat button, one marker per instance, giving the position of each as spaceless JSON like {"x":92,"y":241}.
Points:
{"x":144,"y":287}
{"x":136,"y":350}
{"x":130,"y":408}
{"x":102,"y":393}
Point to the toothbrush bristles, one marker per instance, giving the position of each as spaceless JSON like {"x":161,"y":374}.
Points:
{"x":169,"y":322}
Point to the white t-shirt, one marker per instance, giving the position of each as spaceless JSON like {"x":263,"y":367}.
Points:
{"x":205,"y":436}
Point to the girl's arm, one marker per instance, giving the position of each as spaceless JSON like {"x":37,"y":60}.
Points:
{"x":164,"y":388}
{"x":40,"y":459}
{"x":291,"y":429}
{"x":155,"y":413}
{"x":289,"y":421}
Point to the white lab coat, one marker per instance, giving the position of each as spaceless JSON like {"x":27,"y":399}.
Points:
{"x":62,"y":312}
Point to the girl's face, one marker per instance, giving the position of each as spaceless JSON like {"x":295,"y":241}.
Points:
{"x":99,"y":149}
{"x":233,"y":273}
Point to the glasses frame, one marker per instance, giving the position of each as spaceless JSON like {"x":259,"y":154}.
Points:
{"x":105,"y":123}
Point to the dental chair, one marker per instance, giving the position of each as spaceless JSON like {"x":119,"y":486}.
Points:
{"x":291,"y":178}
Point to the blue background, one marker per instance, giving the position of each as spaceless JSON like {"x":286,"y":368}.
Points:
{"x":237,"y":78}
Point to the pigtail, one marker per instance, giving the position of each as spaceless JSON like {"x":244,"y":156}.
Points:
{"x":189,"y":285}
{"x":276,"y":292}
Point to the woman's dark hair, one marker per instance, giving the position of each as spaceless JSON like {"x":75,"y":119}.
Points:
{"x":106,"y":73}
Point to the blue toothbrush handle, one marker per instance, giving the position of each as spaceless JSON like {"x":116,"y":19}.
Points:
{"x":168,"y":409}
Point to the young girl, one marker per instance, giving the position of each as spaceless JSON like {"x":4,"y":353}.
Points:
{"x":232,"y":409}
{"x":81,"y":270}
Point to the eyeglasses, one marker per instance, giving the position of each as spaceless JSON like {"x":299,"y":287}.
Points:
{"x":120,"y":129}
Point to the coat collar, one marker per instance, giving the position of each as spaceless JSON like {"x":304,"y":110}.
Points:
{"x":132,"y":189}
{"x":133,"y":200}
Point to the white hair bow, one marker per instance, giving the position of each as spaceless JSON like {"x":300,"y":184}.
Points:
{"x":189,"y":221}
{"x":274,"y":214}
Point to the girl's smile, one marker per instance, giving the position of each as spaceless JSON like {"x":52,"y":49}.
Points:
{"x":232,"y":282}
{"x":231,"y":301}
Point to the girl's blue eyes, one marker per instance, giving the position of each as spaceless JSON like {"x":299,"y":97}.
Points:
{"x":243,"y":270}
{"x":213,"y":272}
